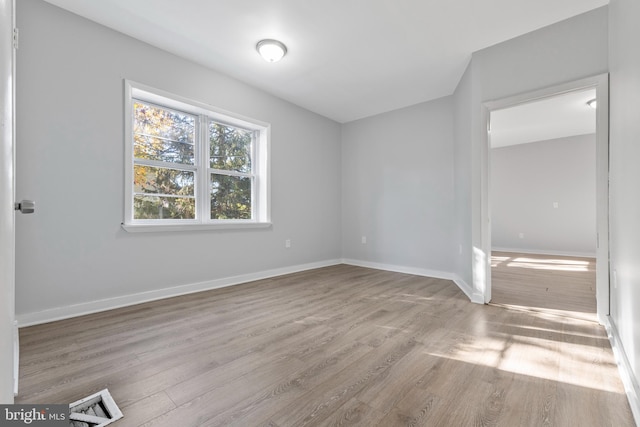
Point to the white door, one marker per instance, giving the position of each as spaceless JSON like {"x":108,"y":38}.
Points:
{"x":7,"y":232}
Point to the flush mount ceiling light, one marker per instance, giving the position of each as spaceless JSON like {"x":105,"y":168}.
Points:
{"x":271,"y":50}
{"x":592,"y":103}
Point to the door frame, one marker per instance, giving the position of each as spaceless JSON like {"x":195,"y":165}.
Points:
{"x":8,"y":329}
{"x":601,"y":84}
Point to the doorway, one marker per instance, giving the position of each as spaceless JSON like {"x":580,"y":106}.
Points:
{"x":599,"y":85}
{"x":543,"y":204}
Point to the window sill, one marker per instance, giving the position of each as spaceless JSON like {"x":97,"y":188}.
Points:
{"x":151,"y":228}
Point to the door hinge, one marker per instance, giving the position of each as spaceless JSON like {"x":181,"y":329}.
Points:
{"x":16,"y":35}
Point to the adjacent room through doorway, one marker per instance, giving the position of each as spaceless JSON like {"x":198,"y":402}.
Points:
{"x":543,"y":204}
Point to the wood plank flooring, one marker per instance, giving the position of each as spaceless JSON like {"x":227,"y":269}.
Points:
{"x":560,"y":284}
{"x":337,"y":346}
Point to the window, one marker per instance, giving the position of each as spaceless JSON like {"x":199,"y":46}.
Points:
{"x":190,"y":166}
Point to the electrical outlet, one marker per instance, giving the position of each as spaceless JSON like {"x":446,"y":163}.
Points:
{"x":287,"y":243}
{"x":364,"y":240}
{"x":555,"y":205}
{"x":521,"y":235}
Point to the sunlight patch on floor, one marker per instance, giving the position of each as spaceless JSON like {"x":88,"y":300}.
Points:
{"x":550,"y":264}
{"x":495,"y":260}
{"x":542,"y":264}
{"x":537,"y":329}
{"x":536,"y":348}
{"x":545,"y":312}
{"x":552,"y":360}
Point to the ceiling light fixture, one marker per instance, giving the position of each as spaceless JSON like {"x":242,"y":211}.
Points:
{"x":592,"y":103}
{"x":271,"y":50}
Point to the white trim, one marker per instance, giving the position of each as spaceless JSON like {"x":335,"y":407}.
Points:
{"x":624,"y":368}
{"x":66,"y":312}
{"x":204,"y":114}
{"x":159,"y":96}
{"x":7,"y":199}
{"x":75,"y":310}
{"x":547,"y":92}
{"x":601,"y":84}
{"x":400,"y":269}
{"x":155,"y":228}
{"x":474,"y":297}
{"x":437,"y":274}
{"x":542,"y":252}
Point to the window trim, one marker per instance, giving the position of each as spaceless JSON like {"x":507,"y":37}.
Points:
{"x":261,"y":213}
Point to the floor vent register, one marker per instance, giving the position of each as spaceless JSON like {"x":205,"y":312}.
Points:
{"x":97,"y":410}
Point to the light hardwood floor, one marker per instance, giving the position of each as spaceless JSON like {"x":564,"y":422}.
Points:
{"x":336,"y":346}
{"x":559,"y":284}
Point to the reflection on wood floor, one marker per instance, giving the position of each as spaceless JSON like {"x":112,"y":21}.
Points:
{"x":565,"y":285}
{"x":336,"y":346}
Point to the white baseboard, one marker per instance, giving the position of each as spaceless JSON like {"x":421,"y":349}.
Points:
{"x":543,"y":252}
{"x":59,"y":313}
{"x":400,"y":269}
{"x":475,"y":297}
{"x":438,"y":274}
{"x":624,"y":367}
{"x":66,"y":312}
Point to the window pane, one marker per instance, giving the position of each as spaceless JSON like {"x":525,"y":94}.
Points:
{"x":230,"y":197}
{"x":159,"y":130}
{"x":164,"y":150}
{"x":230,"y":148}
{"x":149,"y":179}
{"x":156,"y":207}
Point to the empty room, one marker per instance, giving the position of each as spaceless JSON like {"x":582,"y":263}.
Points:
{"x":284,"y":213}
{"x":543,"y":174}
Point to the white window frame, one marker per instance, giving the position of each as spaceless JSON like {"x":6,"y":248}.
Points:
{"x":260,"y":197}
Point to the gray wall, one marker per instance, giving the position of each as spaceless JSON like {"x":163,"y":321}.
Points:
{"x":624,"y":62}
{"x":70,"y":154}
{"x":397,"y":187}
{"x":526,"y":180}
{"x":562,"y":52}
{"x":463,"y":132}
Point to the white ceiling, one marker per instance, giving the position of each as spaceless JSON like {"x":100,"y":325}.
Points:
{"x":347,"y":59}
{"x":550,"y":118}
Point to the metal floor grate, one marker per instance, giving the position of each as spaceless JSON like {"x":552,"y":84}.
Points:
{"x":97,"y":410}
